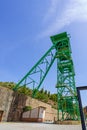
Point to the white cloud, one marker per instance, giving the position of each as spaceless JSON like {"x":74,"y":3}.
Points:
{"x":74,"y":10}
{"x":51,"y":11}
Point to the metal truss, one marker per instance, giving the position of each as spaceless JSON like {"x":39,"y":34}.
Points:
{"x":35,"y":77}
{"x":66,"y":89}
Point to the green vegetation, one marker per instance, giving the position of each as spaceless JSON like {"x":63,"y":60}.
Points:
{"x":27,"y":108}
{"x":42,"y":95}
{"x":53,"y":97}
{"x":7,"y":84}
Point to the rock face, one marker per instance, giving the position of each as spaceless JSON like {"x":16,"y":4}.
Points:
{"x":12,"y":104}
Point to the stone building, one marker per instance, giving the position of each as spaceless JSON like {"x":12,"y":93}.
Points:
{"x":35,"y":115}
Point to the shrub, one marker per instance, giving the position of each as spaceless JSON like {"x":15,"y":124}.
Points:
{"x":27,"y":108}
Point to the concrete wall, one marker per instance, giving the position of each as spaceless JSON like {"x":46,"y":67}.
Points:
{"x":50,"y":113}
{"x":16,"y":107}
{"x":12,"y":104}
{"x":36,"y":114}
{"x":6,"y":96}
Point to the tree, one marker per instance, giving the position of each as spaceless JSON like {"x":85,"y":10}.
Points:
{"x":42,"y":90}
{"x":53,"y":97}
{"x":45,"y":92}
{"x":27,"y":108}
{"x":25,"y":90}
{"x":41,"y":96}
{"x":48,"y":93}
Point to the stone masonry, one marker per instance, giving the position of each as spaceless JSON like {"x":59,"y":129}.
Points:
{"x":12,"y":104}
{"x":51,"y":114}
{"x":6,"y":96}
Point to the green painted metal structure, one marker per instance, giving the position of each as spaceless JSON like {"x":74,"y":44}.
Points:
{"x":66,"y":89}
{"x":35,"y":77}
{"x":68,"y":107}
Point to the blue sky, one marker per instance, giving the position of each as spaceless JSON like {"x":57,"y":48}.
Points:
{"x":25,"y":30}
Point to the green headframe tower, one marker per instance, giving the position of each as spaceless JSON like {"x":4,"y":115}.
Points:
{"x":60,"y":51}
{"x":66,"y":89}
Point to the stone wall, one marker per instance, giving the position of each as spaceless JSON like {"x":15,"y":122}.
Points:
{"x":51,"y":114}
{"x":6,"y":96}
{"x":12,"y":104}
{"x":16,"y":107}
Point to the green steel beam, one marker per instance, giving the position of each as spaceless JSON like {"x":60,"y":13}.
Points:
{"x":41,"y":68}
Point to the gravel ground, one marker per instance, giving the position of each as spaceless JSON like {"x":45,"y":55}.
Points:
{"x":37,"y":126}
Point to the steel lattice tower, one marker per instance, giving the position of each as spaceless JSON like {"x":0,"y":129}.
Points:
{"x":66,"y":89}
{"x":68,"y":107}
